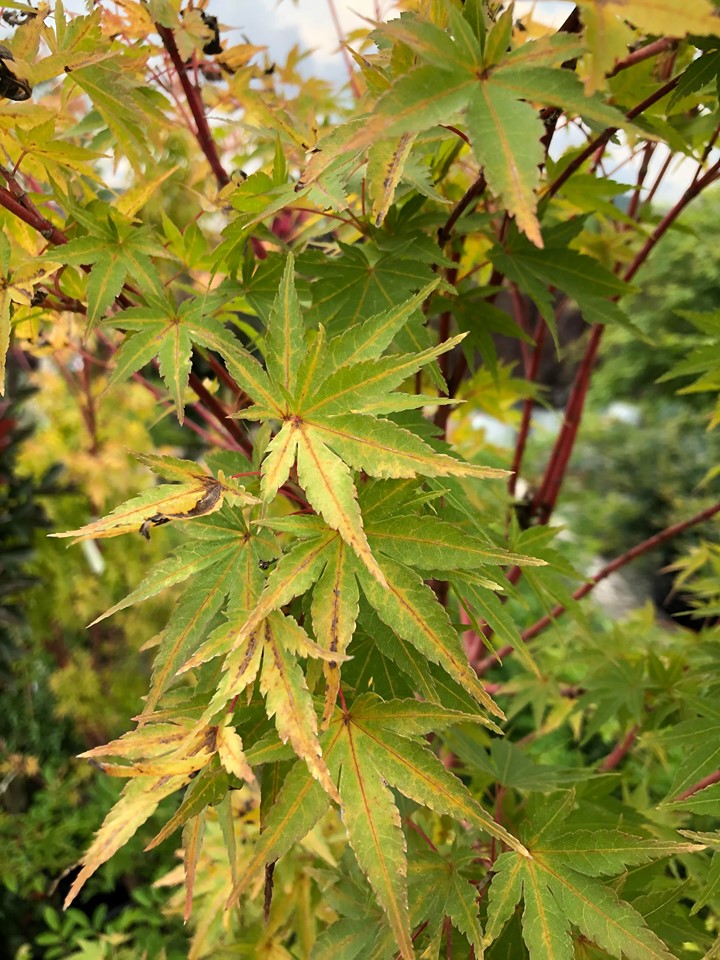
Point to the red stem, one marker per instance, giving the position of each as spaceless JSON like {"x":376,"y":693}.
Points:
{"x":621,"y":750}
{"x":202,"y":130}
{"x":700,"y":785}
{"x":547,"y":495}
{"x":600,"y":141}
{"x":632,"y":554}
{"x":528,"y":407}
{"x":659,"y":179}
{"x":475,"y":190}
{"x":692,"y":191}
{"x":643,"y":53}
{"x":635,"y":202}
{"x":32,"y":217}
{"x":192,"y":94}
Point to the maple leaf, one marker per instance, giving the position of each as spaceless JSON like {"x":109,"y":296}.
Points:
{"x":321,"y":561}
{"x":440,"y":886}
{"x":365,"y":753}
{"x":138,"y":802}
{"x":493,"y":89}
{"x":310,"y":393}
{"x":115,"y":249}
{"x":560,"y":891}
{"x":168,"y":331}
{"x":195,"y":494}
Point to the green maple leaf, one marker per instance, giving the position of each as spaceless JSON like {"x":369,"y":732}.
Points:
{"x":115,"y":250}
{"x":168,"y":331}
{"x":495,"y":91}
{"x":361,"y":282}
{"x":581,"y":277}
{"x":323,"y":562}
{"x":365,"y":754}
{"x":698,"y":743}
{"x":322,"y":396}
{"x":559,"y":888}
{"x":440,"y":887}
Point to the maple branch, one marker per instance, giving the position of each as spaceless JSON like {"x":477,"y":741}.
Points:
{"x":27,"y":212}
{"x":601,"y":140}
{"x":549,"y":490}
{"x":620,"y":751}
{"x":192,"y":94}
{"x":547,"y":495}
{"x":659,"y":179}
{"x":528,"y":407}
{"x":670,"y":217}
{"x":632,"y":554}
{"x":643,"y":53}
{"x":648,"y":151}
{"x":706,"y":152}
{"x":700,"y":785}
{"x":475,"y":190}
{"x":343,"y":49}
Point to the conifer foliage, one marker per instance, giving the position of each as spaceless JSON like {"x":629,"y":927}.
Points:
{"x":344,"y":574}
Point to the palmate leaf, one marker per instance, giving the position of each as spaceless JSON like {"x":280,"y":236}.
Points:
{"x":222,"y":559}
{"x":361,"y":283}
{"x":196,"y":495}
{"x":365,"y":755}
{"x":163,"y":757}
{"x":168,"y":331}
{"x":495,"y":91}
{"x":322,"y":561}
{"x":269,"y":649}
{"x":327,"y":444}
{"x":560,"y":893}
{"x":137,"y":804}
{"x":438,"y":889}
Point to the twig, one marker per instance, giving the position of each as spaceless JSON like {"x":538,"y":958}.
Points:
{"x":419,"y":830}
{"x":354,"y":86}
{"x":659,"y":179}
{"x":643,"y":53}
{"x":192,"y":94}
{"x":700,"y":785}
{"x":632,"y":554}
{"x":474,"y":191}
{"x":528,"y":407}
{"x":648,"y":151}
{"x":600,"y":141}
{"x":547,"y":495}
{"x":670,"y":217}
{"x":706,"y":152}
{"x":33,"y":219}
{"x":620,"y":751}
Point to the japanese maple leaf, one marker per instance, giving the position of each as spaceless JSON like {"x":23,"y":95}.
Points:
{"x":370,"y":747}
{"x":116,"y":250}
{"x":330,"y":398}
{"x":168,"y":331}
